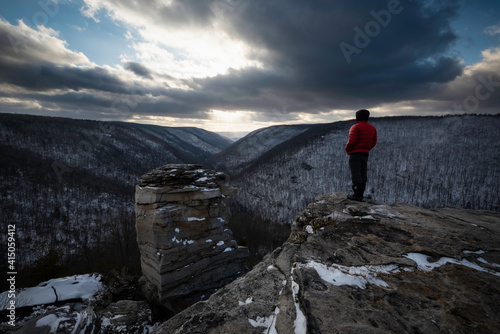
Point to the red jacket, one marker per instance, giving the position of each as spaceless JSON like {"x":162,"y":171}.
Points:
{"x":362,"y":138}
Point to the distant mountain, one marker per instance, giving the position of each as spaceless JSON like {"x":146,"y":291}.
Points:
{"x":234,"y":136}
{"x":68,"y":185}
{"x":426,"y":161}
{"x":245,"y":151}
{"x":113,"y":145}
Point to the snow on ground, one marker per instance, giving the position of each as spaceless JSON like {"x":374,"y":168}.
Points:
{"x":386,"y":211}
{"x":423,"y":263}
{"x":268,"y":322}
{"x":262,"y":322}
{"x":300,"y":322}
{"x":51,"y":321}
{"x":360,"y":277}
{"x":168,"y":207}
{"x":191,"y":219}
{"x":474,"y":252}
{"x":337,"y":215}
{"x":480,"y":259}
{"x":249,"y":300}
{"x":182,"y":241}
{"x":57,"y":289}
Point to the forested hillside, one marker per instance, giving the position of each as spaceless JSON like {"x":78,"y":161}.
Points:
{"x":68,"y":185}
{"x":245,"y":151}
{"x":426,"y":161}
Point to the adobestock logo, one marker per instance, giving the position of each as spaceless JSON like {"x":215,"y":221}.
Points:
{"x":483,"y":91}
{"x":372,"y":29}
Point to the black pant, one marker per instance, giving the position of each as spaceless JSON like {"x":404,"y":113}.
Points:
{"x":358,"y":164}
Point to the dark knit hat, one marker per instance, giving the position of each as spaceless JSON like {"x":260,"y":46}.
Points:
{"x":362,"y":115}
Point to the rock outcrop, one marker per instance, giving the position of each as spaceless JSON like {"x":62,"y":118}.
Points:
{"x":187,"y":250}
{"x":84,"y":305}
{"x":352,"y":267}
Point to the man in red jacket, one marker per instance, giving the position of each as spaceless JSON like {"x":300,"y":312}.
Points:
{"x":362,"y":138}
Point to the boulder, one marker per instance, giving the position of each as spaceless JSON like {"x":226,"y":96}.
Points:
{"x":127,"y":316}
{"x":90,"y":310}
{"x":352,"y":267}
{"x":187,"y":249}
{"x":70,"y":318}
{"x":124,"y":316}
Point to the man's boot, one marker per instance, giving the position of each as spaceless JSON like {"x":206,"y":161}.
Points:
{"x":358,"y":190}
{"x":362,"y":190}
{"x":363,"y":187}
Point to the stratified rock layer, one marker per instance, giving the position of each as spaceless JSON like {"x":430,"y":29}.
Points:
{"x":352,"y":267}
{"x":187,"y":250}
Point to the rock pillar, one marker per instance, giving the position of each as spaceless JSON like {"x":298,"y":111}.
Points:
{"x":187,"y":249}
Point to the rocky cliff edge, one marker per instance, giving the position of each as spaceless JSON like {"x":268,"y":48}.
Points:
{"x":352,"y":267}
{"x":187,"y":249}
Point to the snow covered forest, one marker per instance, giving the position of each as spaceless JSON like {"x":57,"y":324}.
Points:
{"x":425,"y":161}
{"x":68,"y":185}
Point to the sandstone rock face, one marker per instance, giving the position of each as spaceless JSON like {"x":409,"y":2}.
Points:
{"x":187,"y":250}
{"x":352,"y":267}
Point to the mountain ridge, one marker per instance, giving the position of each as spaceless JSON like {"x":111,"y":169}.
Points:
{"x":253,"y":146}
{"x":430,"y":161}
{"x":68,"y":184}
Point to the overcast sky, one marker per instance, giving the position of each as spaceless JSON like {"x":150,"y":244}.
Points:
{"x":238,"y":65}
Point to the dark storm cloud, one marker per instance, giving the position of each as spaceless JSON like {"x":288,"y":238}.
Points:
{"x":406,"y":54}
{"x":476,"y":92}
{"x":39,"y":61}
{"x":139,"y":69}
{"x":316,"y":56}
{"x":41,"y":77}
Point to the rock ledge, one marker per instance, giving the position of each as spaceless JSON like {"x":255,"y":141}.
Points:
{"x":368,"y":267}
